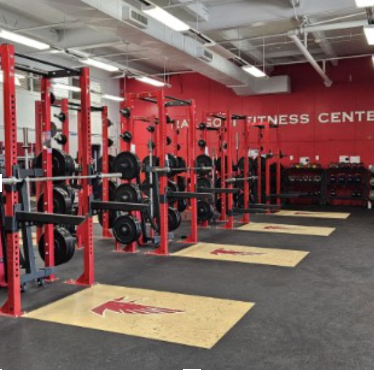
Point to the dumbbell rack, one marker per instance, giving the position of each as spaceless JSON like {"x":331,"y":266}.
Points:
{"x":347,"y":186}
{"x":303,"y":180}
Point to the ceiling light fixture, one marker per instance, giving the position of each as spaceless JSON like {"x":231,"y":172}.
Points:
{"x":150,"y":81}
{"x":100,"y":65}
{"x":254,"y":71}
{"x":364,"y":3}
{"x":112,"y":97}
{"x":369,"y":33}
{"x":165,"y":17}
{"x":66,"y":87}
{"x":19,"y":39}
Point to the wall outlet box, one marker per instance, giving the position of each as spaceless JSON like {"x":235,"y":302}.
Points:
{"x":344,"y":159}
{"x":355,"y":159}
{"x":317,"y":157}
{"x":304,"y":160}
{"x":291,"y":157}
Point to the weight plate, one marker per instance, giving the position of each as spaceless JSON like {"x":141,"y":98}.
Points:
{"x":128,"y":193}
{"x":252,"y":164}
{"x":172,"y":161}
{"x":205,"y":210}
{"x":98,"y":194}
{"x":68,"y":189}
{"x":128,"y":164}
{"x":147,"y":161}
{"x":64,"y":246}
{"x":174,"y":219}
{"x":62,"y":203}
{"x":113,"y":215}
{"x":204,"y":183}
{"x":218,"y":165}
{"x":181,"y":183}
{"x":126,"y":229}
{"x":204,"y":160}
{"x":182,"y":205}
{"x":111,"y":164}
{"x":62,"y":163}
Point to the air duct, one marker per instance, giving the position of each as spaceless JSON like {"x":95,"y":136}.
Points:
{"x":108,"y":17}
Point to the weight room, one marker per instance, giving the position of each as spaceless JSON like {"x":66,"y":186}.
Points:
{"x":186,"y":184}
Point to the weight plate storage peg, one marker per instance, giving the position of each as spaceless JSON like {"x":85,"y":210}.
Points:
{"x":174,"y":219}
{"x":147,"y":162}
{"x":126,"y":229}
{"x":128,"y":193}
{"x":64,"y":246}
{"x":126,"y":136}
{"x":126,"y":112}
{"x":128,"y":164}
{"x":205,"y":210}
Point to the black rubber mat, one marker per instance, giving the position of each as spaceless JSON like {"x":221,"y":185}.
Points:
{"x":318,"y":315}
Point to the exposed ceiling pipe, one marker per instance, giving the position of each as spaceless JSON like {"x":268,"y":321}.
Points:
{"x":332,"y":26}
{"x":293,"y":36}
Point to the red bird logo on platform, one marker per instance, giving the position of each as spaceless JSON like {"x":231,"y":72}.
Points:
{"x":278,"y":228}
{"x":235,"y":253}
{"x":130,"y":307}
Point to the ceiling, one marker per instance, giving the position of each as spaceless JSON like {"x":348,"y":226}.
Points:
{"x":255,"y":30}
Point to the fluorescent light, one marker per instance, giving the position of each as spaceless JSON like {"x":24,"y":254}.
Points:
{"x":254,"y":71}
{"x":166,"y":18}
{"x":112,"y":97}
{"x":66,"y":87}
{"x":19,"y":39}
{"x":150,"y":81}
{"x":98,"y":64}
{"x":16,"y":79}
{"x":369,"y":33}
{"x":364,"y":3}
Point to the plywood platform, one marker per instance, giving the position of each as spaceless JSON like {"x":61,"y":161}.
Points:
{"x":242,"y":254}
{"x":288,"y":229}
{"x":170,"y":317}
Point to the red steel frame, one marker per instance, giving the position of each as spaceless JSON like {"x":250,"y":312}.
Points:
{"x":105,"y":169}
{"x":127,"y":124}
{"x":160,"y":136}
{"x":88,"y":276}
{"x":12,"y":305}
{"x":246,"y":147}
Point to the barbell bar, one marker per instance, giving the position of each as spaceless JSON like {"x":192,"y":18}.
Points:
{"x":14,"y":180}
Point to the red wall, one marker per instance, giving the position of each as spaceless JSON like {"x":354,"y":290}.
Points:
{"x":352,"y":91}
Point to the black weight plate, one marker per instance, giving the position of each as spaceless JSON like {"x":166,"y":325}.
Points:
{"x":204,"y":160}
{"x":219,"y":166}
{"x":174,"y":219}
{"x":181,"y":163}
{"x":68,"y":189}
{"x":205,"y":211}
{"x":111,"y":164}
{"x":64,"y":246}
{"x":172,"y":161}
{"x":218,"y":205}
{"x":171,"y":187}
{"x":128,"y":193}
{"x":182,"y":205}
{"x":126,"y":229}
{"x":62,"y":202}
{"x":128,"y":164}
{"x":147,"y":161}
{"x":113,"y":215}
{"x":218,"y":183}
{"x":62,"y":164}
{"x":181,"y":183}
{"x":204,"y":183}
{"x":98,"y":194}
{"x":252,"y":164}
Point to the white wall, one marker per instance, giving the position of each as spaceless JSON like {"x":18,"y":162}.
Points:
{"x":25,"y":103}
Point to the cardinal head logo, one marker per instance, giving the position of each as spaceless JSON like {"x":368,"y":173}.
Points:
{"x":128,"y":307}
